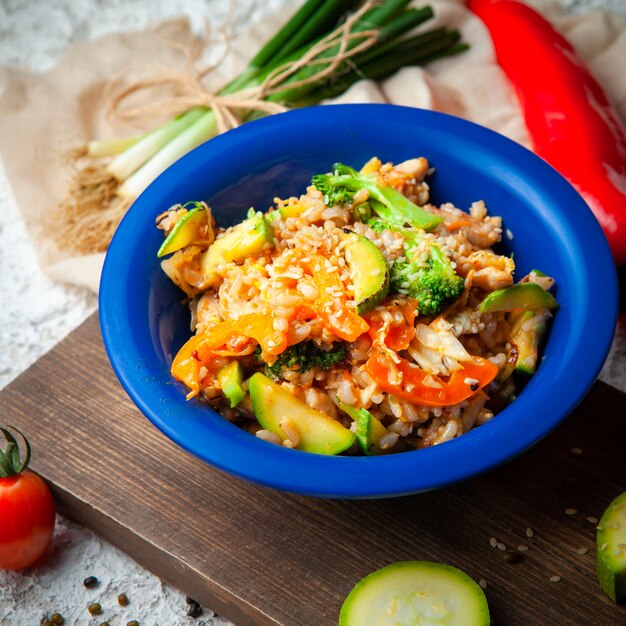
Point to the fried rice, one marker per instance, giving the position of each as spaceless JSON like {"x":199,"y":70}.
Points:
{"x":281,"y":284}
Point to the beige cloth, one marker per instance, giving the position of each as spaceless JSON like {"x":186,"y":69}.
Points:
{"x":43,"y":115}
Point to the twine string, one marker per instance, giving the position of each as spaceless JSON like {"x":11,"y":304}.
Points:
{"x":229,"y":107}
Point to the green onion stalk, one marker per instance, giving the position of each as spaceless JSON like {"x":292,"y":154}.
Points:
{"x":101,"y":193}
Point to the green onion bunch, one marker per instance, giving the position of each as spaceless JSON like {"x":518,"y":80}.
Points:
{"x":133,"y":163}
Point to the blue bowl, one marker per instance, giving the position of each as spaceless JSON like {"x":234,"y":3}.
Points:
{"x":144,"y":323}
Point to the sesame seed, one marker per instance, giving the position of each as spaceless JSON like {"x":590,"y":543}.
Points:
{"x":483,"y":583}
{"x":618,"y":552}
{"x":522,"y":548}
{"x":599,"y":527}
{"x":570,"y":511}
{"x":493,"y":542}
{"x":592,"y":520}
{"x":603,"y":546}
{"x":529,"y":532}
{"x":501,"y":546}
{"x":509,"y":234}
{"x":555,"y":579}
{"x":617,"y":507}
{"x":576,"y":451}
{"x":582,"y":550}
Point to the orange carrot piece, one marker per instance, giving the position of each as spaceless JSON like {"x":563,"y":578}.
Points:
{"x":419,"y":387}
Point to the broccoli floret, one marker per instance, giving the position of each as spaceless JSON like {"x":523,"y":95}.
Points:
{"x":432,"y":282}
{"x":302,"y":357}
{"x":378,"y":226}
{"x":340,"y":186}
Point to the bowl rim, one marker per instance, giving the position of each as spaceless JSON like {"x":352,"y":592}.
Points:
{"x":237,"y":452}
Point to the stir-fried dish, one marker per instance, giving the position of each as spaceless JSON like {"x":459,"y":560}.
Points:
{"x":357,"y":318}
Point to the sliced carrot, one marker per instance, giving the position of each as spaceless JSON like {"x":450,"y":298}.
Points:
{"x":395,"y":336}
{"x":456,"y":224}
{"x":331,"y":308}
{"x":229,"y":338}
{"x":415,"y":385}
{"x":226,"y":335}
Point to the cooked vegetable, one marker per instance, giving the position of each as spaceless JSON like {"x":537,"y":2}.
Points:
{"x":570,"y":120}
{"x":368,"y":429}
{"x":611,"y":550}
{"x":26,"y":507}
{"x":411,"y":593}
{"x":292,"y":209}
{"x":425,"y":274}
{"x":526,"y":333}
{"x":302,"y":357}
{"x":230,"y":381}
{"x":398,"y":377}
{"x":249,"y":237}
{"x":187,"y":230}
{"x":315,"y":431}
{"x":301,"y":299}
{"x":368,"y":272}
{"x":432,"y":282}
{"x":521,"y":296}
{"x":345,"y":182}
{"x":340,"y":319}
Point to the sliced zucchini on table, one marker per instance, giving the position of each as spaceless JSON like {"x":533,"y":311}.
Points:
{"x":611,"y":550}
{"x":411,"y":593}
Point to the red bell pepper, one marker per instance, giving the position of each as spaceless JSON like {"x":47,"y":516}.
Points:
{"x":571,"y":122}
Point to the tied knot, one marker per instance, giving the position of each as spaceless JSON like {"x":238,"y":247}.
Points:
{"x":262,"y":94}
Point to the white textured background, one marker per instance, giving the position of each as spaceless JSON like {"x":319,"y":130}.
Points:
{"x":36,"y":313}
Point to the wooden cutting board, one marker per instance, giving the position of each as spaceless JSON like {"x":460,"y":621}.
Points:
{"x":258,"y":556}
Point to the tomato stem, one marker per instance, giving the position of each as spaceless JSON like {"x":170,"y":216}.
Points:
{"x":10,"y":462}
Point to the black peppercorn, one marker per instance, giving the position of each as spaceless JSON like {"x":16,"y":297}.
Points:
{"x":510,"y":556}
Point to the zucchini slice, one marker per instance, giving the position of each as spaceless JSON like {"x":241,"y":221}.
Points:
{"x":368,"y":431}
{"x":520,"y":296}
{"x":318,"y":432}
{"x":185,"y":231}
{"x":411,"y":593}
{"x":611,"y":554}
{"x":368,"y":272}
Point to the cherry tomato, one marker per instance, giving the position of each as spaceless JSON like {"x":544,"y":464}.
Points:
{"x":26,"y":510}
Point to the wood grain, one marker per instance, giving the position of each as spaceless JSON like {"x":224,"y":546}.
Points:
{"x":257,"y":556}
